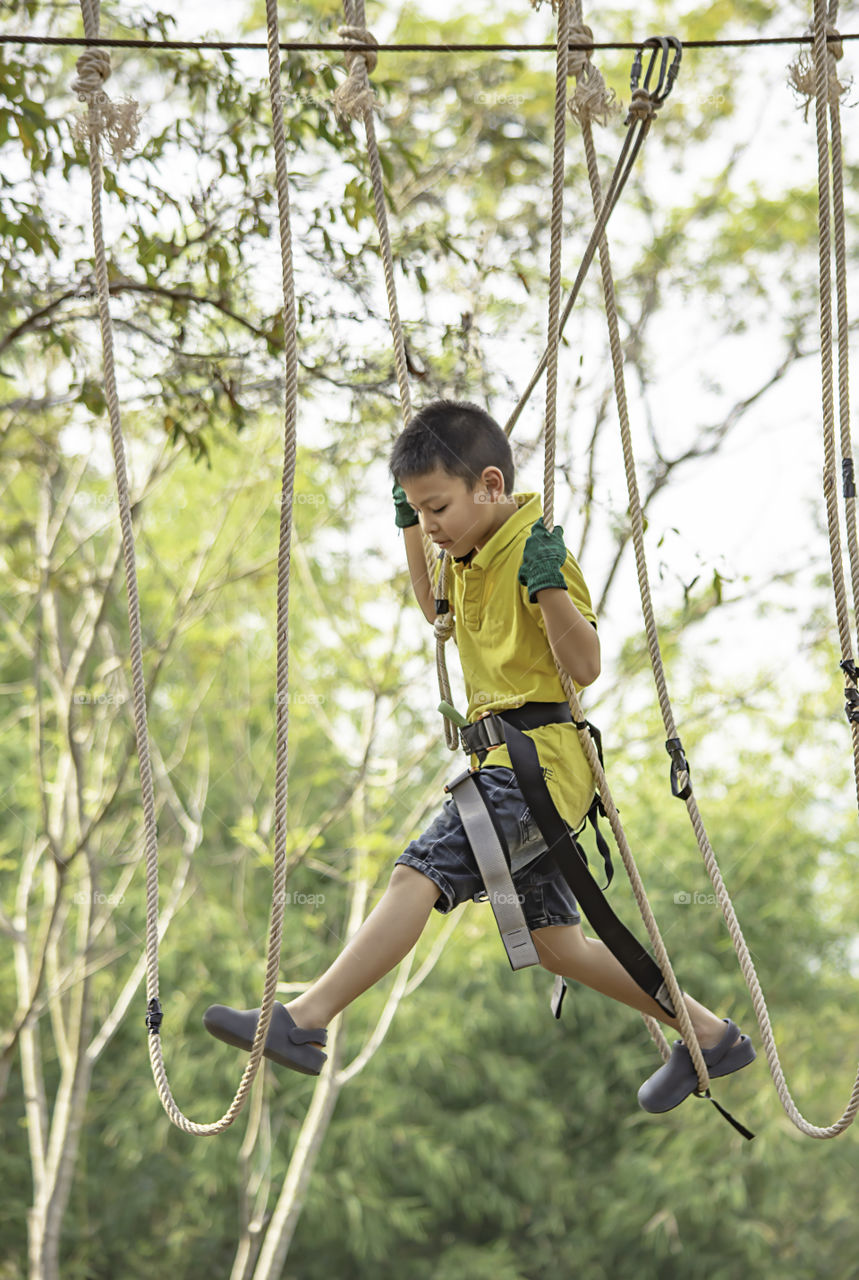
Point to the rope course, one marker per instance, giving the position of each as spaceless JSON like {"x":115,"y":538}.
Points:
{"x":355,"y":99}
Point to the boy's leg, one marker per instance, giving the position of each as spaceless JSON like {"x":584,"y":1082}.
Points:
{"x":565,"y":950}
{"x":387,"y":935}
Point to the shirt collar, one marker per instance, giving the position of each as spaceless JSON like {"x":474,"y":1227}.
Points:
{"x":528,"y":510}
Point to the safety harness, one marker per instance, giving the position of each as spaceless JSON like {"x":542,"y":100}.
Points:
{"x":492,"y":855}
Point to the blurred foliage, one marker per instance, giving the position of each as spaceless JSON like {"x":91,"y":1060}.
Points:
{"x":484,"y":1140}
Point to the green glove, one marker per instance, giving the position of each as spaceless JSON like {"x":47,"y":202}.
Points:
{"x":542,"y":558}
{"x":406,"y":515}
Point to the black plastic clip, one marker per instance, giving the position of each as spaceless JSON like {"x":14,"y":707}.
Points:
{"x":442,"y":606}
{"x":154,"y":1016}
{"x":681,"y":780}
{"x":668,"y":52}
{"x":851,"y":704}
{"x":848,"y":666}
{"x":479,"y":737}
{"x":847,"y":477}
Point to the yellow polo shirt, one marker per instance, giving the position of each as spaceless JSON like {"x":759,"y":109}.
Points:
{"x":505,"y":654}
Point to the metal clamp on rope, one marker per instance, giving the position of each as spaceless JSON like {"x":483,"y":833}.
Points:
{"x":154,"y":1016}
{"x":667,"y":51}
{"x":847,"y":477}
{"x":442,"y":606}
{"x":681,"y":781}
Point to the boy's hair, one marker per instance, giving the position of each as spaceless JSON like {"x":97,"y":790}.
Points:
{"x":455,"y":435}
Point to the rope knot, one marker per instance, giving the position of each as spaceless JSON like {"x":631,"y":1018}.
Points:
{"x":443,"y":627}
{"x":93,"y":67}
{"x":642,"y":106}
{"x":801,"y":74}
{"x":115,"y":122}
{"x":592,"y":100}
{"x":356,"y":95}
{"x":579,"y":58}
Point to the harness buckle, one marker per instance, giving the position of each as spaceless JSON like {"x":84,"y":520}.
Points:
{"x":483,"y":735}
{"x":681,"y":780}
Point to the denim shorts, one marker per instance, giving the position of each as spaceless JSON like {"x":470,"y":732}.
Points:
{"x":444,"y":855}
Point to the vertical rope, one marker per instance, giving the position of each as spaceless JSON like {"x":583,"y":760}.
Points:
{"x":843,"y":333}
{"x":832,"y":226}
{"x":661,"y":954}
{"x":355,"y":98}
{"x":556,"y":242}
{"x":90,"y":11}
{"x":637,"y":522}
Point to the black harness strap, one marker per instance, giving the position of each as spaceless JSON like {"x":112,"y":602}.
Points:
{"x":565,"y":851}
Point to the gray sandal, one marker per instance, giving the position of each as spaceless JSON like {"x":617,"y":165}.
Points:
{"x":286,"y":1044}
{"x":677,"y":1078}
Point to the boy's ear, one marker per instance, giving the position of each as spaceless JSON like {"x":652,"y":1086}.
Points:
{"x":493,"y":478}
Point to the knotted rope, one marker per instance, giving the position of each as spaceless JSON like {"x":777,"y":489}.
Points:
{"x":591,"y":99}
{"x":660,"y":952}
{"x":356,"y":95}
{"x":94,"y":71}
{"x":682,"y":776}
{"x":116,"y":123}
{"x":802,"y":72}
{"x":355,"y":99}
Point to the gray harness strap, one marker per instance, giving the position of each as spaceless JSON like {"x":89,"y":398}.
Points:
{"x":494,"y":870}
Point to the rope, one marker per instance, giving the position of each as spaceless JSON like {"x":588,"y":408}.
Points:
{"x":94,"y":73}
{"x":355,"y":99}
{"x":681,"y":782}
{"x":595,"y":103}
{"x":661,"y":955}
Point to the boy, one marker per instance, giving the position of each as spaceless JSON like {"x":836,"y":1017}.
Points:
{"x":519,"y":601}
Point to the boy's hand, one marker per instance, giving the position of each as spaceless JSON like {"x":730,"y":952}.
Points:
{"x":406,"y":515}
{"x":542,"y":558}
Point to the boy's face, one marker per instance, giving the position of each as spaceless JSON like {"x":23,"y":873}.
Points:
{"x":457,"y":518}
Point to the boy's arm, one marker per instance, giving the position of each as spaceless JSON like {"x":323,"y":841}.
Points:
{"x":573,"y":639}
{"x":407,"y":519}
{"x":418,"y":570}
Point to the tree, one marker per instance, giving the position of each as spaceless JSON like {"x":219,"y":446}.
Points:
{"x":200,"y":347}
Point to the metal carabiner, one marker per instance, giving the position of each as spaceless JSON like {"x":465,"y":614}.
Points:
{"x":667,"y":52}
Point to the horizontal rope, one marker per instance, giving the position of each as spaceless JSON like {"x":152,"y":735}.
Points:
{"x":337,"y":46}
